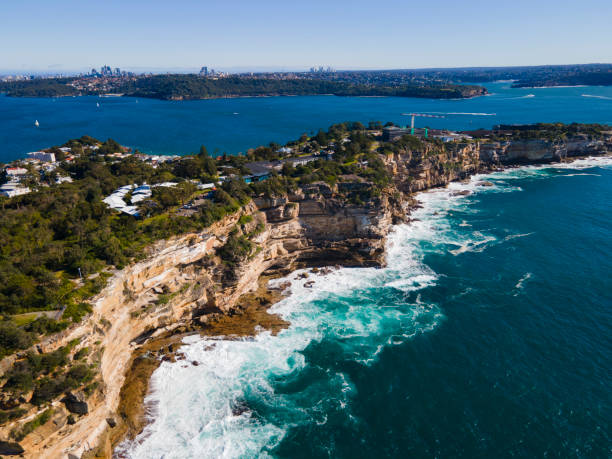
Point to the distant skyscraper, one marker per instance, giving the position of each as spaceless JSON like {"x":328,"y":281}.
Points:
{"x":204,"y":71}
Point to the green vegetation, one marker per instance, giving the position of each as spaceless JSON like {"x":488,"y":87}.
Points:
{"x":195,"y":87}
{"x":46,"y":375}
{"x":550,"y":131}
{"x":55,"y":235}
{"x":81,"y":353}
{"x":182,"y":86}
{"x":39,"y":87}
{"x":237,"y":248}
{"x":9,"y":415}
{"x":29,"y":427}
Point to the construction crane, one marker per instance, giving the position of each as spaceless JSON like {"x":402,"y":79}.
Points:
{"x":423,"y":115}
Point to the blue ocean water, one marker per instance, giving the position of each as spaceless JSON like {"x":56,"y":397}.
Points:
{"x":234,"y":125}
{"x":487,"y":335}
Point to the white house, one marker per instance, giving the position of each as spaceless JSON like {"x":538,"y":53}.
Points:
{"x":12,"y":189}
{"x":15,"y":171}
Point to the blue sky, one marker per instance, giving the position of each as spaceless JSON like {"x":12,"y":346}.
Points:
{"x":58,"y":35}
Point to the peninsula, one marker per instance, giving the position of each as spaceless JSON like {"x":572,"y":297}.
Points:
{"x":110,"y":253}
{"x":442,"y":83}
{"x":190,"y":86}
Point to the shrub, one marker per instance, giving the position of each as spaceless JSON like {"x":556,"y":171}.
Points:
{"x":83,"y":352}
{"x":244,"y":219}
{"x":45,"y":326}
{"x":9,"y":415}
{"x":29,"y":427}
{"x":13,"y":339}
{"x":236,"y":249}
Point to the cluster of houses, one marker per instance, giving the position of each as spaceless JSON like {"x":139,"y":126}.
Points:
{"x":393,"y":133}
{"x":41,"y":162}
{"x":13,"y":186}
{"x":155,"y":160}
{"x":116,"y":200}
{"x":138,"y":193}
{"x":261,"y":170}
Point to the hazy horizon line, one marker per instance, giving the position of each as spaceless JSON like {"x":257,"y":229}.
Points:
{"x":58,"y":69}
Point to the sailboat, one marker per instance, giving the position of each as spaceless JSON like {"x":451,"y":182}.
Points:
{"x":97,"y":104}
{"x":36,"y":123}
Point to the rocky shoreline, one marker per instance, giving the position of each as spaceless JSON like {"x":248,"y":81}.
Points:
{"x":183,"y":287}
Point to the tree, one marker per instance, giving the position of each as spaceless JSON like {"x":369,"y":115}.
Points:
{"x":321,"y":138}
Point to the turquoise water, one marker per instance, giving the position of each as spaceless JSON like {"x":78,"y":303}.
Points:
{"x":234,"y":125}
{"x":487,"y":335}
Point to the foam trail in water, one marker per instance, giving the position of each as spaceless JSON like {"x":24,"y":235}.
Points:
{"x":596,"y":96}
{"x":463,"y":113}
{"x":519,"y":285}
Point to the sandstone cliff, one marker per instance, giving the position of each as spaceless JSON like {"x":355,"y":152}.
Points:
{"x":183,"y":279}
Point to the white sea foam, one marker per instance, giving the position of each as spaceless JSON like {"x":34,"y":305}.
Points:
{"x":555,"y":87}
{"x":581,"y":174}
{"x":520,"y":284}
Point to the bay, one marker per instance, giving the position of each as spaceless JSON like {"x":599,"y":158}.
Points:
{"x":234,"y":125}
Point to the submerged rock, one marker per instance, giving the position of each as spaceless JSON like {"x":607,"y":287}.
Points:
{"x":240,"y":407}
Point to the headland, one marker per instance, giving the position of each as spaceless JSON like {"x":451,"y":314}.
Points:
{"x":129,"y":275}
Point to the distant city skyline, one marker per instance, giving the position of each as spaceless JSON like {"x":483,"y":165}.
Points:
{"x":141,"y":36}
{"x":243,"y":70}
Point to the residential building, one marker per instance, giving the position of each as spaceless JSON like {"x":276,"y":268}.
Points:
{"x":15,"y":171}
{"x":42,"y":156}
{"x":12,"y":189}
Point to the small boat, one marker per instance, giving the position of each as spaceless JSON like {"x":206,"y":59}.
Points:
{"x":36,"y":123}
{"x":97,"y":104}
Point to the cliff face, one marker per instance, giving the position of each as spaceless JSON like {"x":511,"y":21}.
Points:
{"x":416,"y":171}
{"x":183,"y":278}
{"x":530,"y":151}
